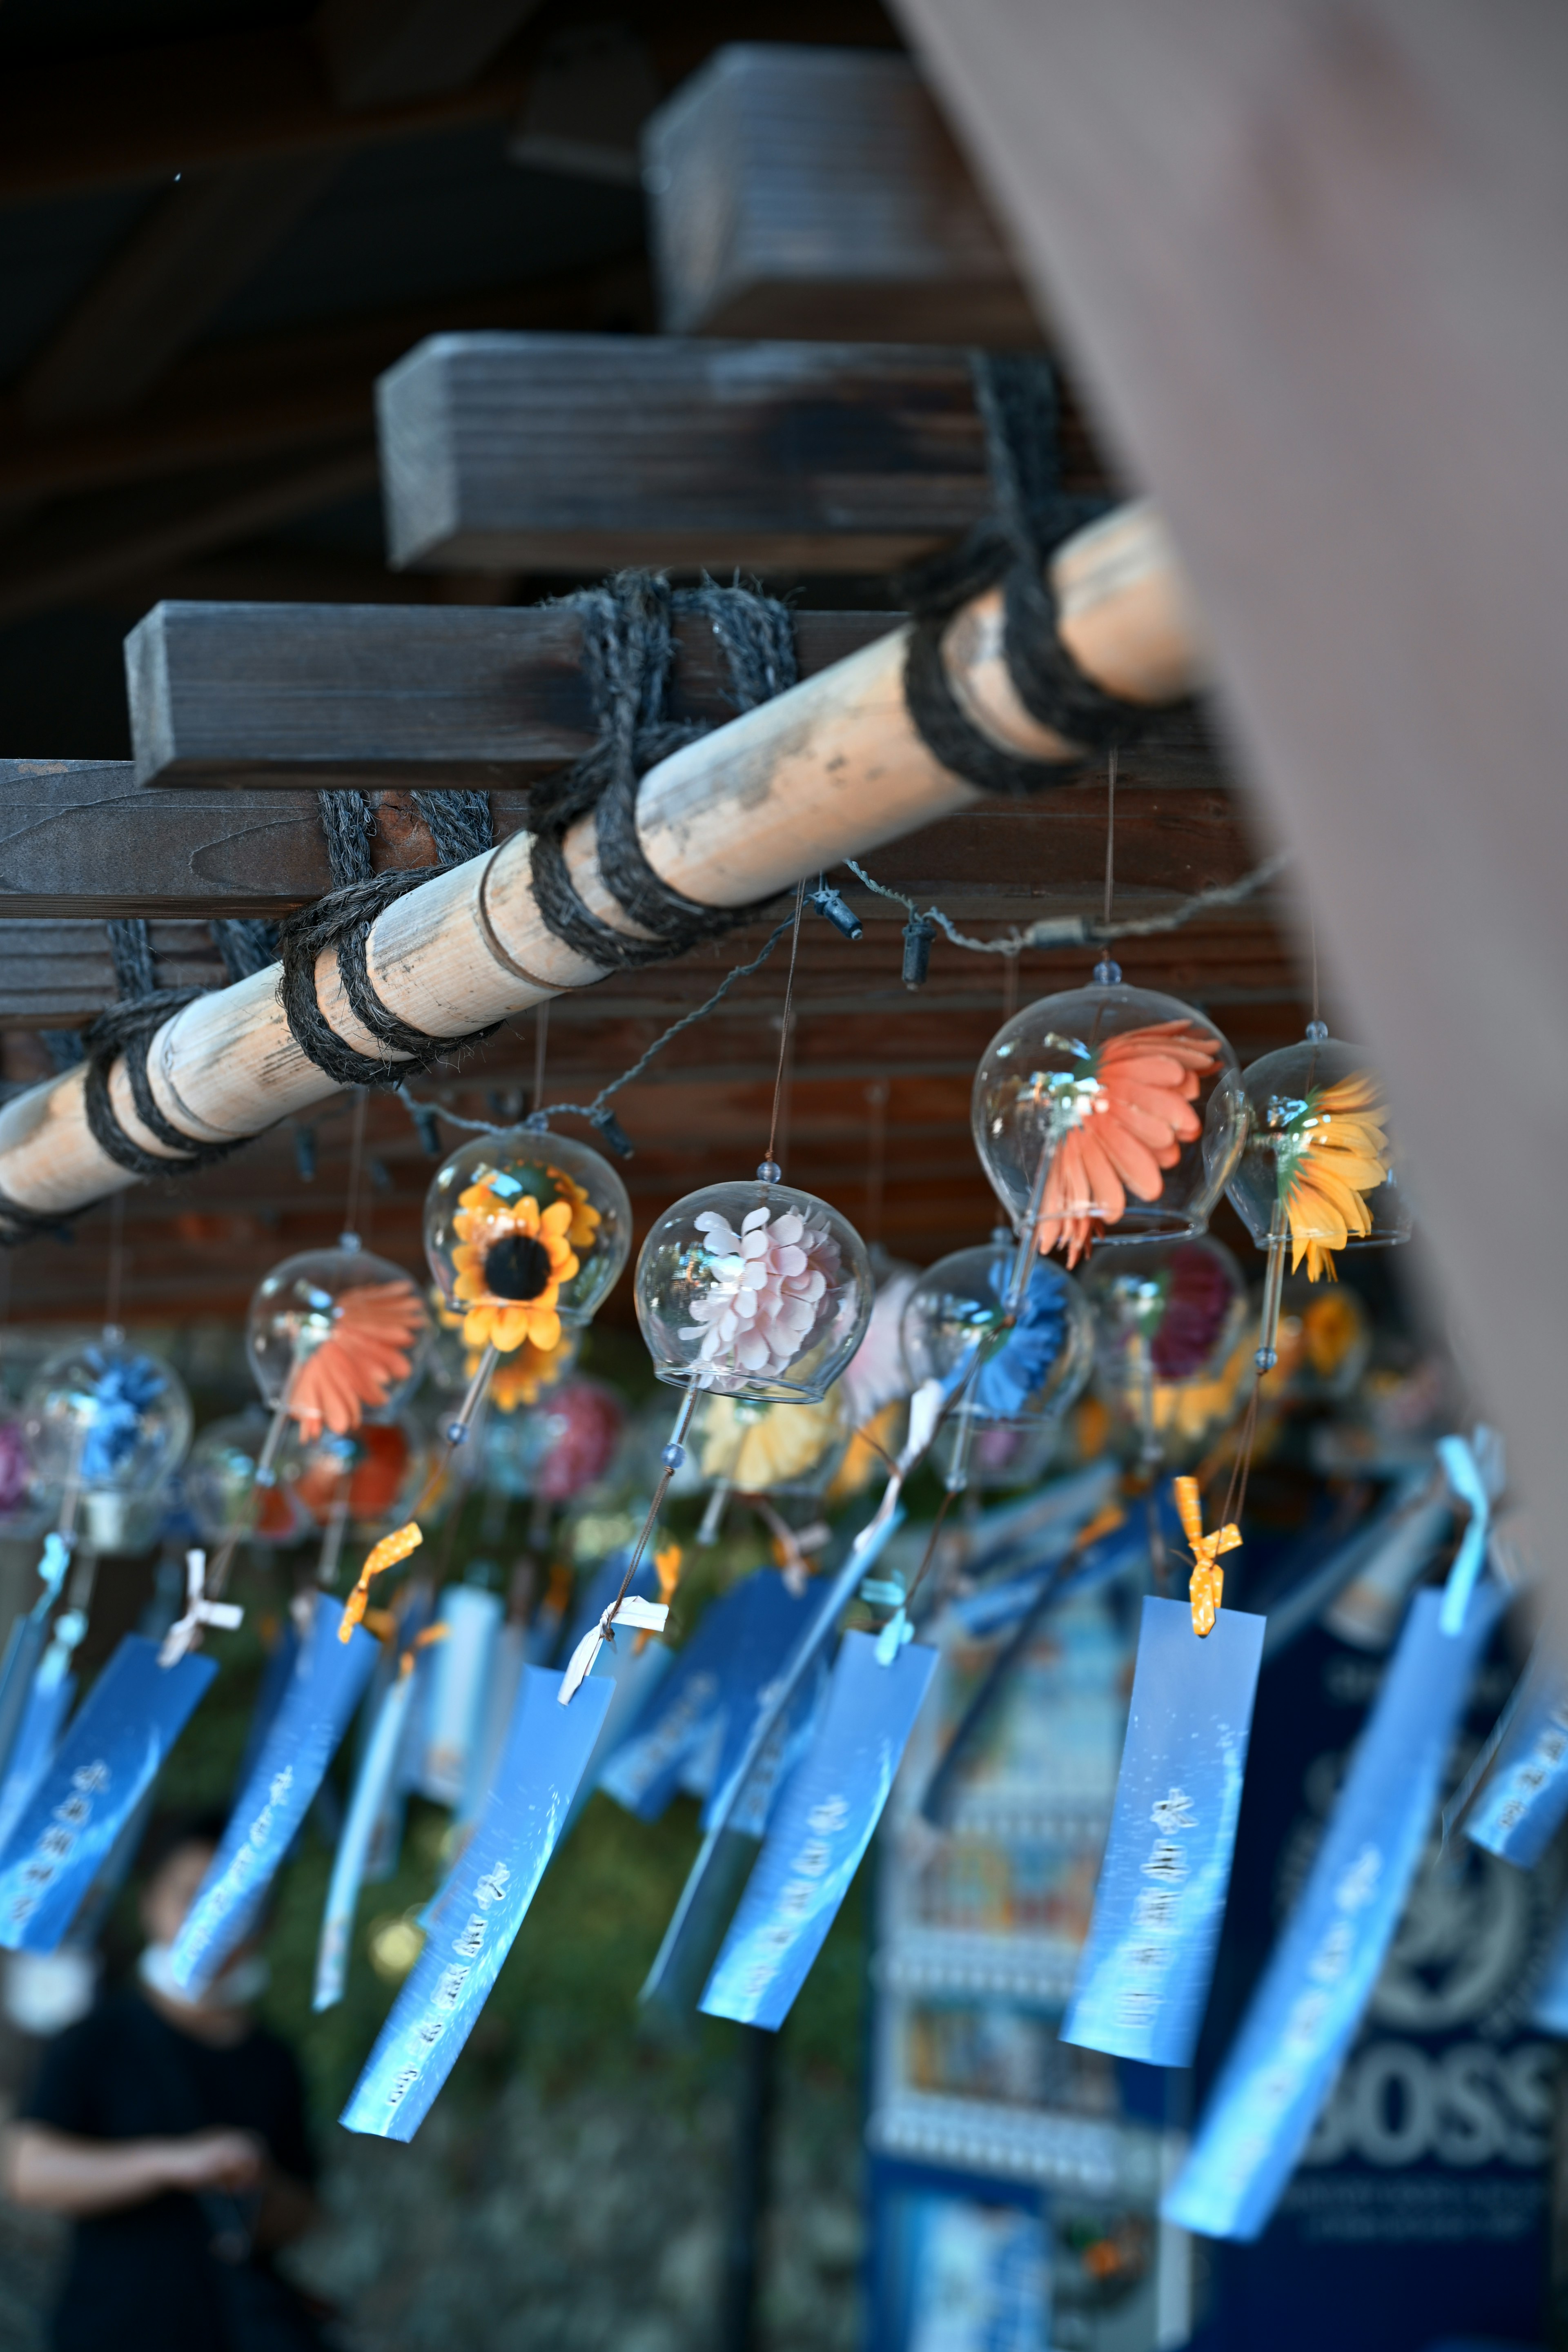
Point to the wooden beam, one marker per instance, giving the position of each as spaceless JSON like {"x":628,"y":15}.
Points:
{"x":71,"y":556}
{"x":201,"y":242}
{"x":75,"y":121}
{"x":286,"y":695}
{"x":381,"y":52}
{"x":253,"y":395}
{"x":798,"y":191}
{"x":81,"y":840}
{"x":586,"y":452}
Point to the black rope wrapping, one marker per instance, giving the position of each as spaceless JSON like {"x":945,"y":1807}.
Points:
{"x":342,"y":921}
{"x":629,"y":651}
{"x":124,"y":1032}
{"x":1016,"y":393}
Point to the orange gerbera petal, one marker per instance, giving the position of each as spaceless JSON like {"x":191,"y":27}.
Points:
{"x":1126,"y":1133}
{"x":364,"y":1355}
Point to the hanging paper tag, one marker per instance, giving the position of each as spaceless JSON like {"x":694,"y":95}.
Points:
{"x":110,"y":1755}
{"x":371,"y":1785}
{"x":733,"y":1653}
{"x":460,"y":1676}
{"x":276,"y":1676}
{"x":1305,"y":2011}
{"x":1526,"y":1794}
{"x":788,"y":1737}
{"x":500,"y":1698}
{"x":822,"y":1827}
{"x":547,"y":1750}
{"x":49,"y":1703}
{"x":1549,"y":2010}
{"x":1144,"y":1977}
{"x":329,"y":1676}
{"x":24,"y":1644}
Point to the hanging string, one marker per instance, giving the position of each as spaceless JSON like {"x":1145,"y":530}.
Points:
{"x":1109,"y":838}
{"x":769,"y":1160}
{"x":114,"y":1281}
{"x":356,"y":1155}
{"x":1312,"y":925}
{"x":1081,"y":930}
{"x":876,"y":1094}
{"x":541,"y":1045}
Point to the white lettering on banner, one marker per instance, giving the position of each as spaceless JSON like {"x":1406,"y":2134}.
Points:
{"x":1396,"y":2105}
{"x":1156,"y":1909}
{"x":57,"y":1842}
{"x":1534,"y":1770}
{"x":490,"y":1889}
{"x":798,"y":1895}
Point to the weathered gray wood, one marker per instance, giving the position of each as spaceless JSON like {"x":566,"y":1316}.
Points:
{"x":575,"y":453}
{"x":1302,"y":250}
{"x":799,"y":191}
{"x":379,"y":52}
{"x":60,"y":975}
{"x":279,"y":695}
{"x":200,"y":243}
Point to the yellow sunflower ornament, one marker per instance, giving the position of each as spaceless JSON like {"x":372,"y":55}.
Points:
{"x":1320,"y":1170}
{"x":526,"y":1233}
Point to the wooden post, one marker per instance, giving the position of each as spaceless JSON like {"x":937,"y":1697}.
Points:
{"x":833,"y":768}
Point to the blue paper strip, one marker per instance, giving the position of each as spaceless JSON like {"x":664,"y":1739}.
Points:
{"x":822,"y":1827}
{"x":43,"y":1717}
{"x":1526,"y":1793}
{"x":110,"y":1756}
{"x":735,"y":1651}
{"x":1550,"y":2008}
{"x":788,"y":1738}
{"x":371,"y":1785}
{"x":1304,"y":2013}
{"x":547,"y":1752}
{"x":1144,"y":1977}
{"x":329,"y":1676}
{"x":459,"y":1678}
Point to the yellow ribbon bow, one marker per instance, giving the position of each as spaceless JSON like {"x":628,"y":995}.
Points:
{"x":1207,"y":1586}
{"x":382,"y":1556}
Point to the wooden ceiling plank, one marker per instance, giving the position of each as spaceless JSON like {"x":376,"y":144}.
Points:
{"x":570,"y":452}
{"x":382,"y":52}
{"x":259,"y":696}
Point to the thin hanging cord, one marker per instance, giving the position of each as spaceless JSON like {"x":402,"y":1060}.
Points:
{"x":541,"y":1045}
{"x":1010,"y":987}
{"x":116,"y":1277}
{"x":769,"y":1158}
{"x":356,"y":1155}
{"x":876,"y":1094}
{"x":1109,"y":838}
{"x":1312,"y":921}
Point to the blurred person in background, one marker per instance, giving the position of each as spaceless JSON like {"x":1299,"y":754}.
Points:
{"x":172,"y":2133}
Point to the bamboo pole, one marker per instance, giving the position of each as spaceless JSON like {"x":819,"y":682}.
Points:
{"x":832,"y":769}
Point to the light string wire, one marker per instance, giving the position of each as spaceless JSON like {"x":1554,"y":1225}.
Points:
{"x":1052,"y":931}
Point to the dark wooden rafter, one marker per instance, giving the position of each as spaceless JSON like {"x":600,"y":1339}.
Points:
{"x":779,"y":456}
{"x":342,"y":694}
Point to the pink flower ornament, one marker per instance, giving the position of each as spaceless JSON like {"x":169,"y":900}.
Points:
{"x":768,"y":1283}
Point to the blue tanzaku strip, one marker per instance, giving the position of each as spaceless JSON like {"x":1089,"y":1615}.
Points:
{"x":1144,"y":1977}
{"x":1525,"y":1794}
{"x":788,"y":1738}
{"x":1305,"y":2013}
{"x":328,"y":1682}
{"x":716,"y":1675}
{"x":821,"y":1827}
{"x":460,"y":1676}
{"x":371,"y":1785}
{"x":43,"y":1718}
{"x":108,"y":1758}
{"x":547,"y":1750}
{"x":1549,"y":2010}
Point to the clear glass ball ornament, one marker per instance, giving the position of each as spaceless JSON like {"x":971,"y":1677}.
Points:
{"x":370,"y":1477}
{"x":751,"y":1447}
{"x":955,"y":1318}
{"x":1320,"y":1170}
{"x":1113,"y":1113}
{"x":563,"y":1448}
{"x":343,"y":1334}
{"x":28,"y":1503}
{"x":518,"y":1381}
{"x":106,"y":1417}
{"x":221,"y":1487}
{"x":526,"y":1231}
{"x":754,"y":1290}
{"x":1172,"y":1343}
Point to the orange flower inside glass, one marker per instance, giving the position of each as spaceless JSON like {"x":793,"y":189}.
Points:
{"x":512,"y":1258}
